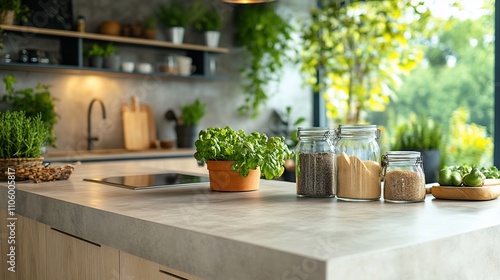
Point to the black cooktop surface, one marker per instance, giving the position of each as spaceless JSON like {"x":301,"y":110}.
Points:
{"x":150,"y":181}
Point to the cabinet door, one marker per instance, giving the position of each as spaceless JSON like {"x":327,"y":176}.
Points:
{"x":134,"y":268}
{"x":30,"y":249}
{"x":70,"y":257}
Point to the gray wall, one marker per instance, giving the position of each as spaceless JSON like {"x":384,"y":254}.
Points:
{"x":223,"y":97}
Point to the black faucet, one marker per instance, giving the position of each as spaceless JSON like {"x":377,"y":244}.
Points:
{"x":89,"y":122}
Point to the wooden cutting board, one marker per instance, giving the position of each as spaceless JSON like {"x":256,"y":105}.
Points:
{"x":151,"y":125}
{"x":136,"y":126}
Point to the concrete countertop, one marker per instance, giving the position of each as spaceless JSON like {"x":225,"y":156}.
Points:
{"x":270,"y":233}
{"x":115,"y":155}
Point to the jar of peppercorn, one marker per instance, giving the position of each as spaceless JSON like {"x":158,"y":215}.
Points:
{"x":315,"y":168}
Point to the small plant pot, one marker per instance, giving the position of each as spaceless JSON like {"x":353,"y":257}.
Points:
{"x":112,"y":62}
{"x":212,"y":38}
{"x":186,"y":135}
{"x":223,"y":179}
{"x":96,"y":61}
{"x":176,"y":35}
{"x":16,"y":164}
{"x":150,"y":33}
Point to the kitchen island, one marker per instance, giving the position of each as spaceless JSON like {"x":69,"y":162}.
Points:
{"x":266,"y":234}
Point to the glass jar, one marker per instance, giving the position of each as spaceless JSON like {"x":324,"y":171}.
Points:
{"x":315,"y":162}
{"x":358,"y":163}
{"x":404,"y":179}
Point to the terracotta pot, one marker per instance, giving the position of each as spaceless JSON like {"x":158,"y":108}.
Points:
{"x":150,"y":33}
{"x":110,"y":28}
{"x":222,"y":178}
{"x":17,"y":164}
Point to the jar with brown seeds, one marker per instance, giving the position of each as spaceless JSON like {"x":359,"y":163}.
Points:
{"x":404,"y":179}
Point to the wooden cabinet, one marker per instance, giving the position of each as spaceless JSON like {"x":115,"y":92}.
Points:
{"x":132,"y":267}
{"x":70,"y":257}
{"x":72,"y":44}
{"x":30,"y":248}
{"x":43,"y":252}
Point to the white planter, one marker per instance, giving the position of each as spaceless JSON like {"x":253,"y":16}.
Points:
{"x":212,"y":38}
{"x":176,"y":35}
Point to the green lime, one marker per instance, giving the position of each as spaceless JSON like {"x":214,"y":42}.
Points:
{"x":444,"y":177}
{"x":456,"y":178}
{"x":473,"y":180}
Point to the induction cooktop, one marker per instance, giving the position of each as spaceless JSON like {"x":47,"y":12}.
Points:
{"x":151,"y":181}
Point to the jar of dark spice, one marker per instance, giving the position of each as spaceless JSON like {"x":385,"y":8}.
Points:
{"x":404,"y":179}
{"x":315,"y":162}
{"x":358,"y":163}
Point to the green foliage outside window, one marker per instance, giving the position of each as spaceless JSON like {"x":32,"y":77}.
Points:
{"x":468,"y":142}
{"x":363,"y":49}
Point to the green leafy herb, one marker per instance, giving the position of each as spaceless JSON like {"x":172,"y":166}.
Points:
{"x":176,"y":14}
{"x":209,"y":20}
{"x":249,"y":151}
{"x":97,"y":50}
{"x":21,"y":136}
{"x":191,"y":114}
{"x":33,"y":102}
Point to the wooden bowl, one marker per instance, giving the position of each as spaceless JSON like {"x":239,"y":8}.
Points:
{"x":486,"y":192}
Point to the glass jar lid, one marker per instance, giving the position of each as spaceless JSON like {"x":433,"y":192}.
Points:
{"x":402,"y":157}
{"x":352,"y":130}
{"x":323,"y":133}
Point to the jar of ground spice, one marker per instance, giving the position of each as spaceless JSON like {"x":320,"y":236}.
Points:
{"x":404,"y":179}
{"x":315,"y":162}
{"x":358,"y":163}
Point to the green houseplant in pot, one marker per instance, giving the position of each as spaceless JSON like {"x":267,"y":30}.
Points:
{"x":22,"y":138}
{"x":187,"y":126}
{"x":111,"y":57}
{"x":95,"y":53}
{"x":33,"y":101}
{"x":209,"y":22}
{"x":12,"y":9}
{"x":236,"y":160}
{"x":175,"y":16}
{"x":423,"y":135}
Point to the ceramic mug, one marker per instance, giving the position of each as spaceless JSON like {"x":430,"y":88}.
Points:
{"x":128,"y":66}
{"x":144,"y":68}
{"x":184,"y":65}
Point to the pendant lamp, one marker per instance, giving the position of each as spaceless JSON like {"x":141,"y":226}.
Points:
{"x":246,"y":1}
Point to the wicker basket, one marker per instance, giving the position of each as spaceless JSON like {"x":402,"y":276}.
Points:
{"x":18,"y":164}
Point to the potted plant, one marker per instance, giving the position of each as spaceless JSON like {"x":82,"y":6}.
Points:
{"x":209,"y":22}
{"x":111,"y":58}
{"x":150,"y":28}
{"x":12,"y":9}
{"x":33,"y":101}
{"x":174,"y":16}
{"x":22,"y":138}
{"x":96,"y":55}
{"x":187,"y":126}
{"x":236,"y":160}
{"x":425,"y":136}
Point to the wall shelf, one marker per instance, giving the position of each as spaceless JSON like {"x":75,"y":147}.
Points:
{"x":72,"y":44}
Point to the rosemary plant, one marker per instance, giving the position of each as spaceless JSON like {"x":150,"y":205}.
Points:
{"x":21,"y":136}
